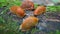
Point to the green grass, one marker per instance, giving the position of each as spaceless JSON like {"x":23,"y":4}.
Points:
{"x":56,"y":32}
{"x":9,"y":26}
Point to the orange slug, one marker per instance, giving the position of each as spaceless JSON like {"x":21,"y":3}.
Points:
{"x":40,"y":10}
{"x":27,"y":5}
{"x":18,"y":11}
{"x":28,"y":23}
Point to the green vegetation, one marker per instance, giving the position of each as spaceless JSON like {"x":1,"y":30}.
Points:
{"x":9,"y":26}
{"x":53,"y":8}
{"x":7,"y":2}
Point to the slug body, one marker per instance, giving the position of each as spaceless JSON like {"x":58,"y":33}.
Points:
{"x":18,"y":11}
{"x":28,"y":23}
{"x":40,"y":10}
{"x":27,"y":5}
